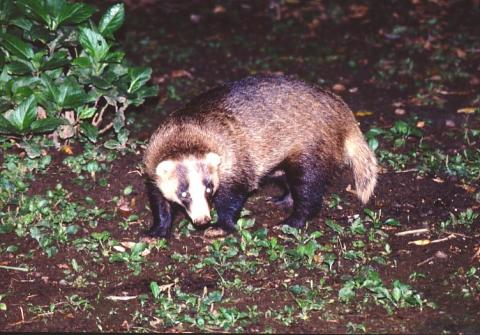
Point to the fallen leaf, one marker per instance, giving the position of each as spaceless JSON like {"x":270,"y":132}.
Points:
{"x":338,"y":88}
{"x":420,"y":242}
{"x":420,"y":124}
{"x":318,"y":258}
{"x":128,"y":244}
{"x":468,"y":188}
{"x":438,"y":180}
{"x":460,"y":53}
{"x":358,"y":11}
{"x":219,"y":9}
{"x":399,"y":111}
{"x":361,"y":113}
{"x":121,"y":297}
{"x":466,"y":110}
{"x":124,"y":207}
{"x":214,"y":233}
{"x":180,"y":74}
{"x":145,"y":252}
{"x":119,"y":248}
{"x":67,"y":149}
{"x":41,"y":113}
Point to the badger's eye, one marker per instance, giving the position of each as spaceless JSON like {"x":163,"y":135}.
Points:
{"x":184,"y":194}
{"x":208,"y":190}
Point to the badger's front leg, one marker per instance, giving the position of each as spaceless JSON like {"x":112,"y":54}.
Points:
{"x":229,"y":201}
{"x":161,"y":211}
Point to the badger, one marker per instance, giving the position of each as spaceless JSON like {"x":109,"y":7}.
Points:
{"x":219,"y":147}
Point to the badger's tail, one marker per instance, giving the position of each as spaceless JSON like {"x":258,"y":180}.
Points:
{"x":363,"y":162}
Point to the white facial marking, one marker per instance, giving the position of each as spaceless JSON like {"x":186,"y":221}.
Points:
{"x":167,"y":182}
{"x":165,"y":168}
{"x":213,"y":159}
{"x":199,"y":210}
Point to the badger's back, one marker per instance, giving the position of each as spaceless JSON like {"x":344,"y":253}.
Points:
{"x":274,"y":117}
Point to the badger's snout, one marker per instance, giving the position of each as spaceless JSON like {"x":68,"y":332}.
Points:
{"x":202,"y":220}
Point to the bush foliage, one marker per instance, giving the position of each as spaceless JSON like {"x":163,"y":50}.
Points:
{"x":61,"y":73}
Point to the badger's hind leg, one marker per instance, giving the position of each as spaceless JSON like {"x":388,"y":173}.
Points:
{"x":306,"y":180}
{"x":284,"y":200}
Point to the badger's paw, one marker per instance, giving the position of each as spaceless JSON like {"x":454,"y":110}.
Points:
{"x":294,"y":222}
{"x":158,"y":232}
{"x":227,"y":227}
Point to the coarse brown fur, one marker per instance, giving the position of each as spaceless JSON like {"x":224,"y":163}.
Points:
{"x":264,"y":123}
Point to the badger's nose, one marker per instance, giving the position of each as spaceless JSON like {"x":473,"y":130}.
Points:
{"x":202,"y":221}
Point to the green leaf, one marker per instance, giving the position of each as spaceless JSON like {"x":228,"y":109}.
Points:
{"x":112,"y":20}
{"x":138,"y":77}
{"x":46,"y":125}
{"x":6,"y":228}
{"x":93,"y":43}
{"x":66,"y":94}
{"x":111,"y":144}
{"x":75,"y":13}
{"x":83,"y":62}
{"x":23,"y":23}
{"x":86,"y":112}
{"x":6,"y":127}
{"x":58,"y":59}
{"x":139,"y":247}
{"x":16,"y":46}
{"x":32,"y":149}
{"x":19,"y":68}
{"x":373,"y":144}
{"x":155,"y":289}
{"x":115,"y":57}
{"x":6,"y":10}
{"x":101,"y":83}
{"x":23,"y":116}
{"x":37,"y":8}
{"x":89,"y":131}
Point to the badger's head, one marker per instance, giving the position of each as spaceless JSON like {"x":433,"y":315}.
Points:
{"x":190,"y":182}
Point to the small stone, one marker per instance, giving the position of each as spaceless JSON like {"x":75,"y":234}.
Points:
{"x":450,"y":123}
{"x":338,"y":88}
{"x":441,"y":255}
{"x":399,"y":111}
{"x":195,"y":18}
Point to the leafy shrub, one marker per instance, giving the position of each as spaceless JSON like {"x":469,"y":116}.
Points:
{"x":63,"y":74}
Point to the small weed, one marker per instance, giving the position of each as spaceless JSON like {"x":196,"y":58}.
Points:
{"x":92,"y":160}
{"x":3,"y":306}
{"x":355,"y":328}
{"x":134,"y":258}
{"x":465,"y":219}
{"x":399,"y":296}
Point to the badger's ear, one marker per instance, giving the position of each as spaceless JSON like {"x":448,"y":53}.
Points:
{"x":213,"y":159}
{"x":165,"y":169}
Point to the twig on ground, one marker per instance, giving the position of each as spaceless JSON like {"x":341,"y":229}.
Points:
{"x":15,"y":268}
{"x":426,"y":261}
{"x":413,"y":231}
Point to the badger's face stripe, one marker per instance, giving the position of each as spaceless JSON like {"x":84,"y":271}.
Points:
{"x":190,"y":182}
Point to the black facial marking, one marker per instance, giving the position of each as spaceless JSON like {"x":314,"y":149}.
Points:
{"x":183,"y":185}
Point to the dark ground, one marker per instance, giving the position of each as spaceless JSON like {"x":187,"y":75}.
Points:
{"x":418,"y":58}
